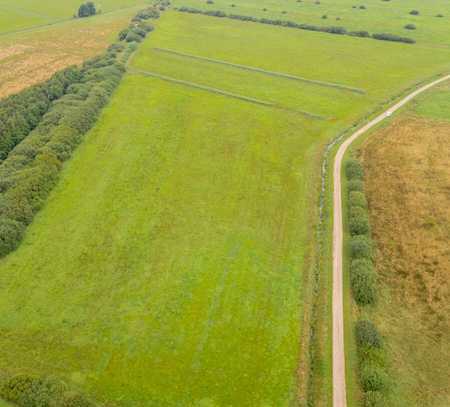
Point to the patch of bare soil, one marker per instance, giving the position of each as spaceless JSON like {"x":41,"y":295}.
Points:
{"x":33,"y":57}
{"x":408,"y":187}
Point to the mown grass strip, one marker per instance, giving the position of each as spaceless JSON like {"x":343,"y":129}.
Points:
{"x":264,"y":71}
{"x":225,"y":93}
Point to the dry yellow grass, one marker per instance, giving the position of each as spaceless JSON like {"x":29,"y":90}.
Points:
{"x":408,"y":187}
{"x":32,"y":57}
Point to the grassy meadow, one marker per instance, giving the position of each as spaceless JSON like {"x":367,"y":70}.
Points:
{"x":168,"y":266}
{"x":378,"y":16}
{"x":24,"y":14}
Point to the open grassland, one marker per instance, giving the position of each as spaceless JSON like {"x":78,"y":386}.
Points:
{"x":167,"y":267}
{"x":24,"y":14}
{"x":32,"y":57}
{"x":407,"y":182}
{"x":170,"y":256}
{"x":378,"y":16}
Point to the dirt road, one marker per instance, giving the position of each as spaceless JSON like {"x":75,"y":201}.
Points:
{"x":339,"y":387}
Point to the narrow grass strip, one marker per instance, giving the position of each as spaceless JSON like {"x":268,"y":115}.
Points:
{"x":263,"y":71}
{"x":224,"y":93}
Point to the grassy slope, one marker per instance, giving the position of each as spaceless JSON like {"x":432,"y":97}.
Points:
{"x":167,"y":264}
{"x":22,"y":14}
{"x":414,"y":291}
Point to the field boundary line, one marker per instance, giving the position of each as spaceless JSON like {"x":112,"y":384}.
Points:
{"x":264,"y":71}
{"x":224,"y":93}
{"x":339,"y":380}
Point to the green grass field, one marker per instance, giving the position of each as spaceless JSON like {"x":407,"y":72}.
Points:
{"x":24,"y":14}
{"x":379,"y":16}
{"x":167,"y":267}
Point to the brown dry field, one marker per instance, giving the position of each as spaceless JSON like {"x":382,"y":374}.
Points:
{"x":408,"y":188}
{"x":32,"y":57}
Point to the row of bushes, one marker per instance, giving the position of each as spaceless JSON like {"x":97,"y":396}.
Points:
{"x":21,"y":113}
{"x":363,"y":280}
{"x":139,"y":27}
{"x":292,"y":24}
{"x":31,"y":391}
{"x":31,"y":168}
{"x":363,"y":284}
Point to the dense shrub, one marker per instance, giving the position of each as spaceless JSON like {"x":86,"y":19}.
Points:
{"x":353,"y":169}
{"x":355,"y":185}
{"x":360,"y":247}
{"x":362,"y":34}
{"x":363,"y":282}
{"x":373,"y":378}
{"x":87,"y":9}
{"x":358,"y":222}
{"x":414,"y":12}
{"x":367,"y":336}
{"x":410,"y":27}
{"x":392,"y":37}
{"x":21,"y":113}
{"x":357,"y":199}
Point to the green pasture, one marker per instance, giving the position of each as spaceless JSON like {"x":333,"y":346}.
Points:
{"x":167,"y":267}
{"x":378,"y":16}
{"x":24,"y":14}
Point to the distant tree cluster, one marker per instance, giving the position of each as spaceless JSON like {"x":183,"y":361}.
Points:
{"x":87,"y":9}
{"x":139,"y":27}
{"x":292,"y":24}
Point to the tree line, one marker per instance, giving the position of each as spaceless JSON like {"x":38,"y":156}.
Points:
{"x":41,"y":127}
{"x":371,"y":355}
{"x":300,"y":26}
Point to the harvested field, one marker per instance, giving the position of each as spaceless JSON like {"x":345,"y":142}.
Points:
{"x":30,"y":58}
{"x":408,"y":186}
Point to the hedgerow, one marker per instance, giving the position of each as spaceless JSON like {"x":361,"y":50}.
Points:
{"x":46,"y":123}
{"x":21,"y":113}
{"x":300,"y":26}
{"x":373,"y":377}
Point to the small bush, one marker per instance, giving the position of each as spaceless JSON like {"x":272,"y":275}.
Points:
{"x":358,"y":222}
{"x":355,"y":185}
{"x":357,"y":199}
{"x":353,"y":169}
{"x":360,"y":247}
{"x":367,"y":336}
{"x":439,"y":15}
{"x":414,"y":12}
{"x":373,"y":378}
{"x":410,"y":27}
{"x":363,"y":281}
{"x":209,"y":2}
{"x":362,"y":7}
{"x":133,"y":37}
